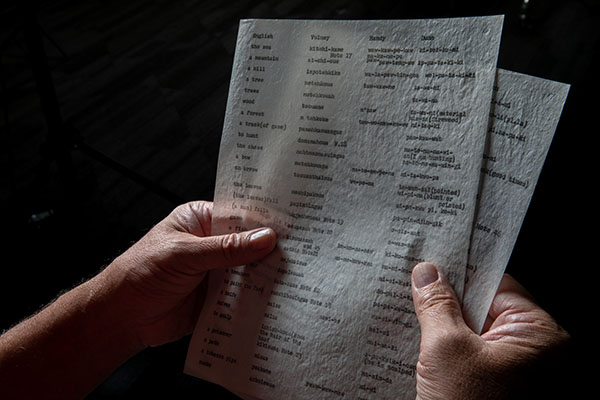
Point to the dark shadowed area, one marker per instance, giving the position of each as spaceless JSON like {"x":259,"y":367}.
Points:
{"x":112,"y":114}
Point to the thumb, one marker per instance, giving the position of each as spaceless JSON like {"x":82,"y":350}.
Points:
{"x":435,"y":302}
{"x":234,"y":249}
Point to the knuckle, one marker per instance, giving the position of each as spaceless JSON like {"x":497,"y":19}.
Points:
{"x":231,"y":245}
{"x":547,"y":332}
{"x":174,"y":250}
{"x":200,"y":208}
{"x":437,"y":300}
{"x":185,"y":209}
{"x":427,"y":368}
{"x":181,"y":209}
{"x":179,"y":246}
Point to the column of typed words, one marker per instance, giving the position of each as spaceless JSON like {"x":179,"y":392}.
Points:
{"x":310,"y":219}
{"x":508,"y":126}
{"x":298,"y":243}
{"x":248,"y":194}
{"x":379,"y":82}
{"x":316,"y":125}
{"x":313,"y":157}
{"x":424,"y":151}
{"x":387,"y":66}
{"x":308,"y":199}
{"x":216,"y":335}
{"x":393,"y":302}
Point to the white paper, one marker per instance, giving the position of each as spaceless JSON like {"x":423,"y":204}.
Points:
{"x":360,"y":143}
{"x":498,"y":221}
{"x":525,"y":112}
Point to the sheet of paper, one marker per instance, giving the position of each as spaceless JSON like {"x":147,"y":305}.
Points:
{"x":360,"y":142}
{"x":498,"y":221}
{"x":525,"y":112}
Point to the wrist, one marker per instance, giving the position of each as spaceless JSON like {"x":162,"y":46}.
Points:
{"x":108,"y":299}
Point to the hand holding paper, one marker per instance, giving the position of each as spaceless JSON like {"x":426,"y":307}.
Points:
{"x":365,"y":145}
{"x":369,"y":147}
{"x":148,"y":296}
{"x":456,"y":363}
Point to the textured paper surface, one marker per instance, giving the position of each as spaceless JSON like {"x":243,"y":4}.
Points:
{"x":360,"y":143}
{"x":525,"y":112}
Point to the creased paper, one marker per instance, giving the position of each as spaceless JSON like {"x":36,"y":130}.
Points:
{"x":360,"y":143}
{"x":525,"y":112}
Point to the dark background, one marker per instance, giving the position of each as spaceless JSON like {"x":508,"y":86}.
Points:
{"x":141,"y":89}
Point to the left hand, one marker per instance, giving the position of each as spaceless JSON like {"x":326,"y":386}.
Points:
{"x":158,"y":280}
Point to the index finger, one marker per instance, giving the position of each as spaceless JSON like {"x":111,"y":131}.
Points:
{"x":511,"y":295}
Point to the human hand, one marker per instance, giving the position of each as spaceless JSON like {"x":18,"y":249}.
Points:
{"x":158,"y":280}
{"x":456,"y":363}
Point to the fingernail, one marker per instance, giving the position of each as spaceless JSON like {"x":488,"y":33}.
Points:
{"x":262,"y":239}
{"x":424,"y":274}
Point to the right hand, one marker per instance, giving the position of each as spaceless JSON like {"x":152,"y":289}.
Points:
{"x":456,"y":363}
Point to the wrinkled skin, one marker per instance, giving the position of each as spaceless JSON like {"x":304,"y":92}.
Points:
{"x":160,"y":278}
{"x":456,"y":363}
